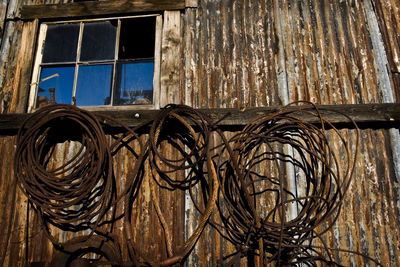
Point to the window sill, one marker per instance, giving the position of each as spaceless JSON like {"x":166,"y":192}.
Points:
{"x":119,"y":108}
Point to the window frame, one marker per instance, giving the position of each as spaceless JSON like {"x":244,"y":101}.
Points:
{"x":157,"y":63}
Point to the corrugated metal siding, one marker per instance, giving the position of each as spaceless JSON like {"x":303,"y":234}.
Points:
{"x":260,"y":53}
{"x":388,"y":14}
{"x":321,"y":51}
{"x":369,"y":218}
{"x":244,"y":54}
{"x":391,"y":18}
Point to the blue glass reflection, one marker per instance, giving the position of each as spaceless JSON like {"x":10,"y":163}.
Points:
{"x":94,"y":85}
{"x":59,"y":78}
{"x":134,"y":83}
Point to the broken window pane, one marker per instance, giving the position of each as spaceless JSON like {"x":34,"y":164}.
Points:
{"x":61,"y":43}
{"x":134,"y":83}
{"x":94,"y":85}
{"x":55,"y":85}
{"x":137,"y":38}
{"x":98,"y":40}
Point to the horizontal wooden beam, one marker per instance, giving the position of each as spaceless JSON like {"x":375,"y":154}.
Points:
{"x":374,"y":116}
{"x":98,"y":8}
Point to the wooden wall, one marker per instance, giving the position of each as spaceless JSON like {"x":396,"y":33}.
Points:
{"x":244,"y":53}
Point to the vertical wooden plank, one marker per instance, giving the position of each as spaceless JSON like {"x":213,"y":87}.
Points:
{"x":3,"y":11}
{"x":170,"y":58}
{"x":24,"y":67}
{"x":13,"y":8}
{"x":9,"y":51}
{"x":35,"y":72}
{"x":157,"y":63}
{"x":8,"y":188}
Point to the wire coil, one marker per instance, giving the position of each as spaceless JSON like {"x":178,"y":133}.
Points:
{"x":290,"y":163}
{"x":271,"y":185}
{"x":75,"y":195}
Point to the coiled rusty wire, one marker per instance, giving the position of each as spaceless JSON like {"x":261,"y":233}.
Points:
{"x":245,"y":178}
{"x":259,"y":162}
{"x":75,"y":195}
{"x":191,"y":147}
{"x":187,"y":131}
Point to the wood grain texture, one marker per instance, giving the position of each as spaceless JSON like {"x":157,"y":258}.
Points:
{"x":25,"y":66}
{"x":170,"y":59}
{"x":95,"y":8}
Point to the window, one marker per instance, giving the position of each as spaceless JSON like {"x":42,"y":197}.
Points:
{"x":101,"y":62}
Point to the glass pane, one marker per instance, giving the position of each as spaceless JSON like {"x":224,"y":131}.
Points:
{"x":134,"y":83}
{"x":98,"y":40}
{"x":55,"y":85}
{"x":137,"y":38}
{"x":94,"y":85}
{"x":61,"y":43}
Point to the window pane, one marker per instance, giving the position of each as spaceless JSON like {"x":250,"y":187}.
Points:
{"x":94,"y":85}
{"x":61,"y":43}
{"x":61,"y":79}
{"x":137,"y":38}
{"x":98,"y":40}
{"x":134,"y":83}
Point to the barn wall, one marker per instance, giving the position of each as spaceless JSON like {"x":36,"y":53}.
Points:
{"x":247,"y":53}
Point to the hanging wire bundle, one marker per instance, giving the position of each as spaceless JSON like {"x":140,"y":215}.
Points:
{"x":192,"y":148}
{"x":272,"y":185}
{"x":290,"y":163}
{"x":75,"y":195}
{"x":185,"y":131}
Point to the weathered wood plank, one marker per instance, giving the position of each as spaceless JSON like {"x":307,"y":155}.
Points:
{"x":375,"y":116}
{"x":95,"y":8}
{"x":3,"y":11}
{"x":170,"y":61}
{"x":24,"y":66}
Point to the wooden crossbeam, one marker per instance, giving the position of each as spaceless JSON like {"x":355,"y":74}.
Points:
{"x":96,"y":8}
{"x":374,"y":116}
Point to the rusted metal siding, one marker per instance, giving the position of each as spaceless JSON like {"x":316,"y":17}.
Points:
{"x":259,"y":53}
{"x":369,"y":219}
{"x":225,"y":54}
{"x":368,"y":222}
{"x":388,"y":16}
{"x":321,"y":51}
{"x":244,"y":53}
{"x":391,"y":20}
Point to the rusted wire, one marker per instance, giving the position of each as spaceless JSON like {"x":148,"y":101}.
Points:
{"x":190,"y":141}
{"x":261,"y":160}
{"x":273,"y":184}
{"x":76,"y":194}
{"x":190,"y":165}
